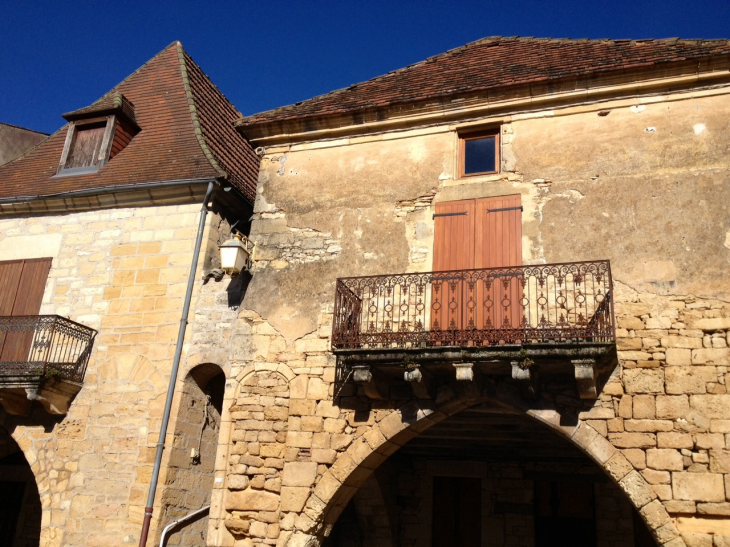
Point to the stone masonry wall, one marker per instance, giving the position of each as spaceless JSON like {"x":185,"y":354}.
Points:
{"x":592,"y":186}
{"x":122,"y":272}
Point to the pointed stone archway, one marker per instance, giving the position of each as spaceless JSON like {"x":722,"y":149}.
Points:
{"x":392,"y":430}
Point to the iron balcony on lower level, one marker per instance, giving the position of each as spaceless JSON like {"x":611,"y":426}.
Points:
{"x":42,"y":358}
{"x":551,"y":317}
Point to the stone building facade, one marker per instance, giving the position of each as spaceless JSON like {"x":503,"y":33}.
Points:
{"x":120,"y":242}
{"x":609,"y":429}
{"x":624,"y":163}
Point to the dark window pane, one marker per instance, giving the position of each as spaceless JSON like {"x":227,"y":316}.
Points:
{"x":479,"y":155}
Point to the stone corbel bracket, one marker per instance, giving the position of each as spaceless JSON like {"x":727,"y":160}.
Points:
{"x":464,"y":371}
{"x":366,"y":377}
{"x":528,"y":378}
{"x":586,"y":376}
{"x":421,"y":381}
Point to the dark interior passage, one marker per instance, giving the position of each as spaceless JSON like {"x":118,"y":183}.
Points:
{"x":20,"y":504}
{"x":490,"y":476}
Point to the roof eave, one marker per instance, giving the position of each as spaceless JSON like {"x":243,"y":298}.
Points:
{"x":646,"y":79}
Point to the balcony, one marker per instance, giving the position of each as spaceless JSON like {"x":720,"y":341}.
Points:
{"x":518,"y":321}
{"x":43,"y":358}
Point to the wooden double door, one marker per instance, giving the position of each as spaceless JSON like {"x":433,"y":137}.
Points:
{"x":477,"y":234}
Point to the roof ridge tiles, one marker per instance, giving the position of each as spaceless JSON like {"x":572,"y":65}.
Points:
{"x":194,"y":113}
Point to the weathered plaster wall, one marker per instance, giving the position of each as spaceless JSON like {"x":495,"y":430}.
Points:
{"x":593,"y":186}
{"x":124,"y":273}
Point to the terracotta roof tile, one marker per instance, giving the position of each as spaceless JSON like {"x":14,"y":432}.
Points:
{"x":186,"y":133}
{"x":491,"y":63}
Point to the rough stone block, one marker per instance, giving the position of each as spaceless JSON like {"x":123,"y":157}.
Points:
{"x":720,"y":461}
{"x":671,"y":406}
{"x":664,"y":459}
{"x":678,"y":357}
{"x":673,"y":439}
{"x":712,"y":324}
{"x":711,"y":356}
{"x":644,"y":407}
{"x":706,"y":487}
{"x":681,"y":380}
{"x":637,"y":489}
{"x":711,"y":406}
{"x":299,"y":439}
{"x":252,"y":500}
{"x":632,"y":440}
{"x":642,"y":380}
{"x":647,"y":425}
{"x":293,"y":498}
{"x":299,"y":474}
{"x":317,"y":389}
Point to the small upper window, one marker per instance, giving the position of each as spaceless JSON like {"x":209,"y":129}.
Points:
{"x":479,"y":154}
{"x":85,"y":145}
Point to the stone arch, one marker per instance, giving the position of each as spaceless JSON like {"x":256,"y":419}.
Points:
{"x":351,"y":468}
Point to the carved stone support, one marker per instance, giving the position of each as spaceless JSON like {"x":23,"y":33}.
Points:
{"x":364,"y":376}
{"x":528,"y":377}
{"x":421,"y":382}
{"x":586,"y":374}
{"x":520,"y":373}
{"x":464,"y":371}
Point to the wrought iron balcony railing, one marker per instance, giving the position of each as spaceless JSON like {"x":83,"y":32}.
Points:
{"x":36,"y":347}
{"x":546,"y":303}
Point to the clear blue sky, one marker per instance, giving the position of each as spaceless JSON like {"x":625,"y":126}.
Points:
{"x":62,"y":55}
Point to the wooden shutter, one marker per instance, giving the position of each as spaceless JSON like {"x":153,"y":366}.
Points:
{"x":31,"y":287}
{"x":498,"y":245}
{"x":22,"y":283}
{"x":9,"y":280}
{"x":453,"y":249}
{"x":499,"y":232}
{"x":489,"y":235}
{"x":457,"y":512}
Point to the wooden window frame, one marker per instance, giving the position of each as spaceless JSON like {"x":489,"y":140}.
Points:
{"x":104,"y":150}
{"x":463,"y":137}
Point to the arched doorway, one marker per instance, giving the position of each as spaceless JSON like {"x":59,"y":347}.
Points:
{"x":192,"y":454}
{"x":20,"y":504}
{"x":490,"y":475}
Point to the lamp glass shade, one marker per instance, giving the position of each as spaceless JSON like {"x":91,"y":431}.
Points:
{"x":234,"y":256}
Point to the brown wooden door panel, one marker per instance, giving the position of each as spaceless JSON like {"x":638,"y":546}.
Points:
{"x":28,"y":298}
{"x":499,"y":233}
{"x":453,"y":250}
{"x":499,"y":245}
{"x":457,"y":512}
{"x":9,"y":280}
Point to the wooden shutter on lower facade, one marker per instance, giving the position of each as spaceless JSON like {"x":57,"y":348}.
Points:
{"x":22,"y":284}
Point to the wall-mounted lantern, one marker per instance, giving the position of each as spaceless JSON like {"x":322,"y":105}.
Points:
{"x":236,"y":254}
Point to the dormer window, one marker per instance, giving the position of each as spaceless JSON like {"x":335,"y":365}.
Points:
{"x":96,"y":134}
{"x":87,"y":146}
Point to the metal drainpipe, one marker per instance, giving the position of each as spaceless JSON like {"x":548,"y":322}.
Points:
{"x":185,"y":519}
{"x":173,"y":373}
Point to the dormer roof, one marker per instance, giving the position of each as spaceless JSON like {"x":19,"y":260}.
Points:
{"x":113,"y":102}
{"x":186,"y":133}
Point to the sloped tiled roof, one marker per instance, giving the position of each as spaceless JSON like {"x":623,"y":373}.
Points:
{"x":187,"y":133}
{"x":491,"y":63}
